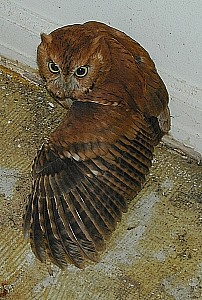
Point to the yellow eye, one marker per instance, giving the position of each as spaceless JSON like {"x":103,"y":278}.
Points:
{"x":81,"y":71}
{"x":53,"y":67}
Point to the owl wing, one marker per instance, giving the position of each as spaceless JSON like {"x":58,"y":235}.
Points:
{"x":95,"y":161}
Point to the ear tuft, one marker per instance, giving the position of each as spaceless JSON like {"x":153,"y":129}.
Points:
{"x":46,"y":38}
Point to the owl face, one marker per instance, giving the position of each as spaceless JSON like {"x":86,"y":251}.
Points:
{"x":72,"y":64}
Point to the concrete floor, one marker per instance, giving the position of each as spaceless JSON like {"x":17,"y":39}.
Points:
{"x":156,"y":251}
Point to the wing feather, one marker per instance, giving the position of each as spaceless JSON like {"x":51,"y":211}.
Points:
{"x":36,"y":235}
{"x":70,"y":217}
{"x":45,"y":210}
{"x":83,"y":179}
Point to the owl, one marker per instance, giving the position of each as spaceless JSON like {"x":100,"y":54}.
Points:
{"x":97,"y":159}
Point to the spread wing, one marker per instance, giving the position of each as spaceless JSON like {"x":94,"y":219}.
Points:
{"x":95,"y":161}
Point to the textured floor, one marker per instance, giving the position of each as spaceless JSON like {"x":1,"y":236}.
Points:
{"x":156,"y":251}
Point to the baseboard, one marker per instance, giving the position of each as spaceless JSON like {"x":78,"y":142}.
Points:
{"x":186,"y":112}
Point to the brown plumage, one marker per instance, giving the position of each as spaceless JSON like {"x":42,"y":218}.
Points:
{"x":98,"y":157}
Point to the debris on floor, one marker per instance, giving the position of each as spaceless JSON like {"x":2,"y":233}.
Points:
{"x":156,"y":251}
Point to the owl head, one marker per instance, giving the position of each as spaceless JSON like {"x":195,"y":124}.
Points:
{"x":97,"y":63}
{"x":72,"y":60}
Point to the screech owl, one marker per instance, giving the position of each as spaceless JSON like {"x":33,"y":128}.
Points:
{"x":97,"y":159}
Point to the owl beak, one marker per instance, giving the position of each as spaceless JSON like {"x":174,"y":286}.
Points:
{"x":65,"y":102}
{"x":62,"y":97}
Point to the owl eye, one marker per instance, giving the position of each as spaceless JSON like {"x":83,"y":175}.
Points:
{"x":53,"y":67}
{"x":81,"y":71}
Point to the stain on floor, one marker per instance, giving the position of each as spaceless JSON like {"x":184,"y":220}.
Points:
{"x":156,"y":251}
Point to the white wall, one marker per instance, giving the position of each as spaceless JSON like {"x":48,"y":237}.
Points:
{"x":170,"y":30}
